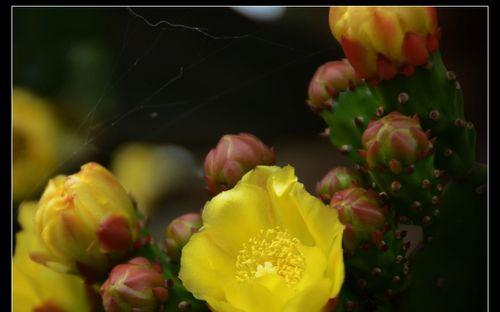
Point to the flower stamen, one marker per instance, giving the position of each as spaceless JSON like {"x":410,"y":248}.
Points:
{"x":272,"y":251}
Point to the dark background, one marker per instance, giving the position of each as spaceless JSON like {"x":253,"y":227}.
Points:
{"x":110,"y":66}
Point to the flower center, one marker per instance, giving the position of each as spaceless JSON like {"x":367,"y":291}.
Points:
{"x":272,"y":251}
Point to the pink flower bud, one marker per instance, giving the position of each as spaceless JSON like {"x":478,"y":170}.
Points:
{"x":178,"y":233}
{"x":328,"y":81}
{"x":394,"y":141}
{"x":138,"y":285}
{"x":337,"y":179}
{"x":234,"y":156}
{"x":359,"y":209}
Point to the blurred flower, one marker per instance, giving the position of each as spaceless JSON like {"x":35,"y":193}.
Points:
{"x":178,"y":233}
{"x":262,"y":13}
{"x":134,"y":286}
{"x":265,"y":245}
{"x":335,"y":180}
{"x":328,"y":81}
{"x":380,"y":41}
{"x":361,"y":213}
{"x":35,"y":287}
{"x":86,"y":222}
{"x":35,"y":143}
{"x":150,"y":172}
{"x":395,"y":141}
{"x":234,"y":155}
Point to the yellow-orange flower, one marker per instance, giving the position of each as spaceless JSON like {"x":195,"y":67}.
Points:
{"x":265,"y":245}
{"x":86,"y":222}
{"x":35,"y":287}
{"x":380,"y":41}
{"x":35,"y":149}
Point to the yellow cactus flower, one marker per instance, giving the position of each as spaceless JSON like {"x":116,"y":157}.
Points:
{"x":86,"y":222}
{"x":265,"y":245}
{"x":150,"y":172}
{"x":35,"y":287}
{"x":380,"y":41}
{"x":35,"y":147}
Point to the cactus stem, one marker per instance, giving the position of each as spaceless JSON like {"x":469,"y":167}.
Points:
{"x":439,"y":187}
{"x":447,"y":152}
{"x":403,"y":219}
{"x":395,"y":166}
{"x":426,"y":219}
{"x":410,"y":169}
{"x":376,"y":271}
{"x":435,"y":200}
{"x":383,"y":196}
{"x":184,"y":306}
{"x":358,"y":121}
{"x":434,"y":115}
{"x":169,"y":283}
{"x":395,"y":186}
{"x":425,"y":183}
{"x":403,"y":98}
{"x":437,"y":212}
{"x":416,"y":205}
{"x":344,"y":149}
{"x":451,"y":75}
{"x":406,"y":245}
{"x":459,"y":122}
{"x":383,"y":246}
{"x":380,"y":111}
{"x":437,"y":173}
{"x":362,"y":283}
{"x":396,"y":279}
{"x":406,"y":269}
{"x":325,"y":133}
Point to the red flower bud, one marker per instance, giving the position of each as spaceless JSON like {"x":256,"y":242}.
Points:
{"x":138,"y":285}
{"x":382,"y":41}
{"x":337,"y":179}
{"x":178,"y":233}
{"x":360,"y":211}
{"x":394,"y":141}
{"x":328,"y":81}
{"x":234,"y":156}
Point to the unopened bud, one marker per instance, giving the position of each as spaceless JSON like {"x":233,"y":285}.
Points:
{"x":134,"y":286}
{"x":234,"y":156}
{"x":336,"y":180}
{"x":360,"y":211}
{"x":178,"y":233}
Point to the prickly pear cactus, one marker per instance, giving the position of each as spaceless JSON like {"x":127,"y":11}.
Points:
{"x":403,"y":127}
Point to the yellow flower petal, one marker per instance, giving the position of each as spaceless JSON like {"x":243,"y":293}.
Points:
{"x":234,"y":216}
{"x":205,"y":268}
{"x":34,"y":284}
{"x":313,"y":298}
{"x":321,"y":220}
{"x":266,"y":245}
{"x":335,"y":269}
{"x":253,"y":297}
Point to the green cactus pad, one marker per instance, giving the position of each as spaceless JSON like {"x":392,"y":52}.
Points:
{"x":436,"y":96}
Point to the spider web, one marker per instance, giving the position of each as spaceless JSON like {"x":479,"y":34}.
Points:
{"x":92,"y":129}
